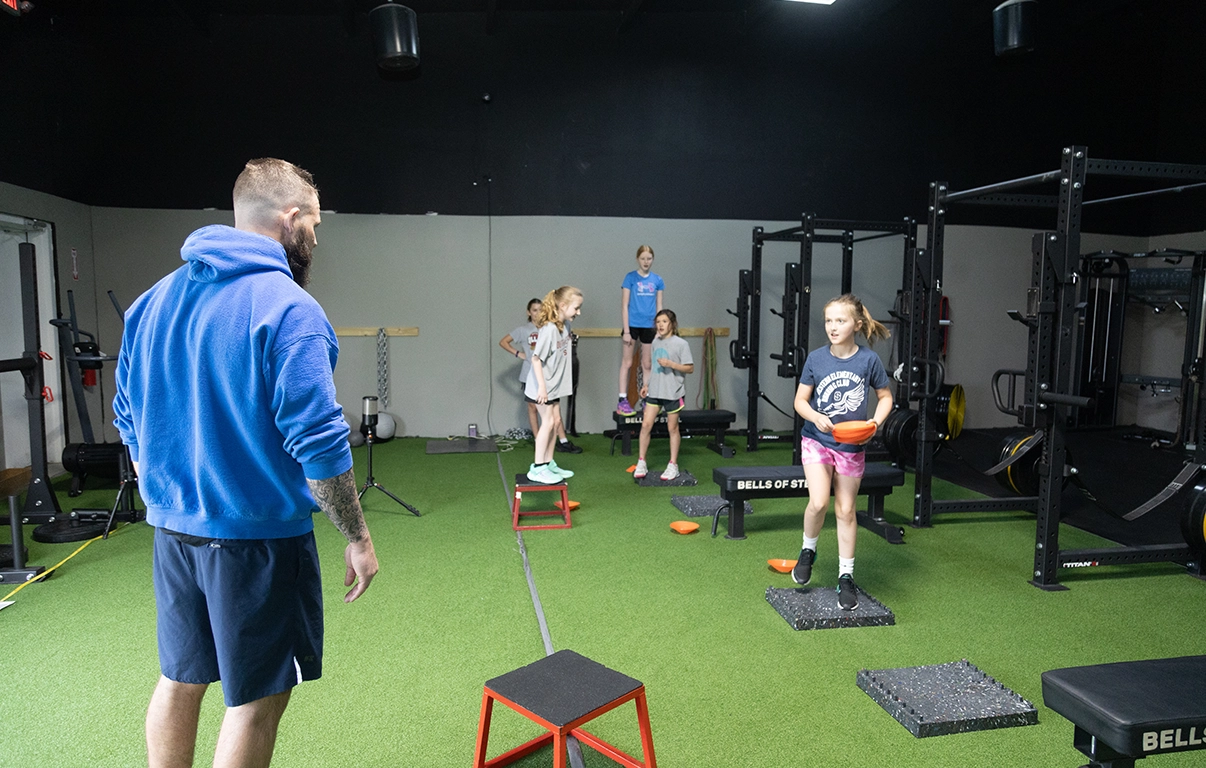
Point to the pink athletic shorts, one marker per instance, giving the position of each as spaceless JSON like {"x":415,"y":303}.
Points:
{"x":846,"y":464}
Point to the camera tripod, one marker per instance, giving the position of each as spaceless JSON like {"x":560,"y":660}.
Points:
{"x":370,"y":423}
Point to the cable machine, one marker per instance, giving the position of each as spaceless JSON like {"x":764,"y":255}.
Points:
{"x":1109,"y":284}
{"x":1052,"y":315}
{"x":744,"y":351}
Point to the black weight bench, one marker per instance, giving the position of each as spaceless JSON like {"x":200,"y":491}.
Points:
{"x":1130,"y":710}
{"x":740,"y":484}
{"x":714,"y":423}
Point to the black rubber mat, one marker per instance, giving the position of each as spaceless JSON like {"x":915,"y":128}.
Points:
{"x":654,"y":480}
{"x":1118,"y":466}
{"x":940,"y":699}
{"x":462,"y":445}
{"x":703,"y":506}
{"x":817,"y":608}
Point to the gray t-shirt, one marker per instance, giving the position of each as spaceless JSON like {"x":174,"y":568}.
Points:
{"x":667,"y":383}
{"x":553,"y":348}
{"x":839,"y":389}
{"x":523,"y":338}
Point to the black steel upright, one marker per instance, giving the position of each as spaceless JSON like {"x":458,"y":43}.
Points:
{"x":753,"y":340}
{"x":41,"y":505}
{"x":1193,"y":393}
{"x":1057,"y":256}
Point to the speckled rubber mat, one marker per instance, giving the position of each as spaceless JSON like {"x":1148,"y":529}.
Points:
{"x":817,"y":608}
{"x":703,"y":506}
{"x":955,"y":697}
{"x":654,"y":480}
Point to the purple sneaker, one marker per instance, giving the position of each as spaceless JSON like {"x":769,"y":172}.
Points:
{"x":624,"y":408}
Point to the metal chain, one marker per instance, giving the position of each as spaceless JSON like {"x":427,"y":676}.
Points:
{"x":382,"y":368}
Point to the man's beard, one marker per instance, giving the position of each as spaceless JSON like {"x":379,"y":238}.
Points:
{"x":300,"y":255}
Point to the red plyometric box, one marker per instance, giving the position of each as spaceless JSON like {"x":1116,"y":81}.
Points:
{"x":564,"y":506}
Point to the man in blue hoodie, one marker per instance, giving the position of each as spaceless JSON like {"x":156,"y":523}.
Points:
{"x":226,"y":400}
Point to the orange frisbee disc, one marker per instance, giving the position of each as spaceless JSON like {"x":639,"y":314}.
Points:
{"x":853,"y":432}
{"x":684,"y":526}
{"x":782,"y":566}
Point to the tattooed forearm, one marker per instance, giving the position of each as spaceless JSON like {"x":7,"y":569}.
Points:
{"x":336,"y":496}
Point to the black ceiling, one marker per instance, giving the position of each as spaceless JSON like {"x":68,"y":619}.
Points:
{"x":752,"y":109}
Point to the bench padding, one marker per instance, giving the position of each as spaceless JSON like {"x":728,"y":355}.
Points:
{"x":702,"y":419}
{"x":712,"y":422}
{"x":782,"y":481}
{"x":739,"y":484}
{"x":1119,"y":703}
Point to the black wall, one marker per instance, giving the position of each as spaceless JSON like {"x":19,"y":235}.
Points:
{"x":757,"y":114}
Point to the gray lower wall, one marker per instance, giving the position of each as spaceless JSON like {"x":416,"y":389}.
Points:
{"x":464,"y":282}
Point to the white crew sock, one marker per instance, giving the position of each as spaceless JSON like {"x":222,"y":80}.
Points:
{"x":845,"y":566}
{"x":810,"y":543}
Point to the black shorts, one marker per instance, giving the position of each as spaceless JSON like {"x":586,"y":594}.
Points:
{"x":643,"y":335}
{"x":669,"y":406}
{"x":548,"y":402}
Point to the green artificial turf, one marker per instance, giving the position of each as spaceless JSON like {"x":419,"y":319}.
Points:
{"x":729,"y":682}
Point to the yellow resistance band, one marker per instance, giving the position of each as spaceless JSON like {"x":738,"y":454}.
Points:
{"x":52,"y":568}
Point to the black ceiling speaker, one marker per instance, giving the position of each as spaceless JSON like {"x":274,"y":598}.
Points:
{"x":1013,"y":23}
{"x":395,"y":31}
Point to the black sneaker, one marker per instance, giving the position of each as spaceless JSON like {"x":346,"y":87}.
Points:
{"x":802,"y":573}
{"x":567,"y":447}
{"x":847,"y":593}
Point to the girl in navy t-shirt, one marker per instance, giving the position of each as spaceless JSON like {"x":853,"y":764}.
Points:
{"x":833,"y":388}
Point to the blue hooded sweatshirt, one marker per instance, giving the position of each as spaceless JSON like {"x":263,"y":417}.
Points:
{"x":225,"y":394}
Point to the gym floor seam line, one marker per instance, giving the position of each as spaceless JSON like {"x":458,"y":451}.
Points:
{"x":574,"y":749}
{"x":527,"y":569}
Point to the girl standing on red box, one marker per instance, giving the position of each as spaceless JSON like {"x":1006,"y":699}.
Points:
{"x":551,"y":377}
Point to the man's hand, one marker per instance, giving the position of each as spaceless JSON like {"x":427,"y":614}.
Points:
{"x":336,"y":496}
{"x":361,"y":563}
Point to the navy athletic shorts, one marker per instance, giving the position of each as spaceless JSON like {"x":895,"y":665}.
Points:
{"x":247,"y":612}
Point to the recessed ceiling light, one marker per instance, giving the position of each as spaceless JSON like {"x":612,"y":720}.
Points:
{"x":814,"y":2}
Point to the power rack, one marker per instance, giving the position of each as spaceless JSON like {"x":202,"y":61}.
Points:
{"x":744,"y":351}
{"x":1052,"y":316}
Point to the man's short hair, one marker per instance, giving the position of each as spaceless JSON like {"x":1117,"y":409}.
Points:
{"x":268,"y":186}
